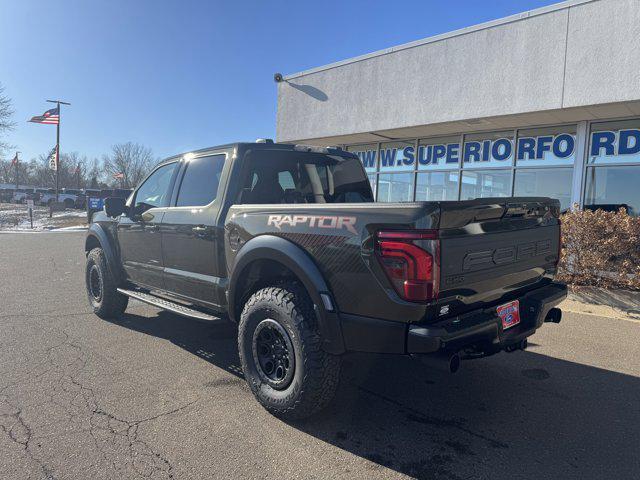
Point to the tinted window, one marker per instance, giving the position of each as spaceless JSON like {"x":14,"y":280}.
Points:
{"x":492,"y":183}
{"x":295,"y":177}
{"x":372,"y":181}
{"x":154,"y":192}
{"x":395,"y":187}
{"x":553,"y":182}
{"x":437,"y":186}
{"x":285,"y":180}
{"x":200,"y":181}
{"x":610,"y":188}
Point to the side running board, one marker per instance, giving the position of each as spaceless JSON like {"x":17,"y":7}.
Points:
{"x":168,"y":305}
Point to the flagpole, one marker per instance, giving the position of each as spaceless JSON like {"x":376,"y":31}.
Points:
{"x":17,"y":171}
{"x":58,"y":151}
{"x":58,"y":103}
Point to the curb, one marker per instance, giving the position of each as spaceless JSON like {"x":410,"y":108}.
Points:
{"x":621,"y":304}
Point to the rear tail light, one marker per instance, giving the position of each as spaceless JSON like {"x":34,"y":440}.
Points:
{"x":411,"y":261}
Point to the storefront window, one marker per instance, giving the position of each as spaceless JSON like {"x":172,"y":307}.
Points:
{"x":615,"y":142}
{"x":488,"y":150}
{"x":368,"y":155}
{"x":397,"y":156}
{"x":537,"y":182}
{"x":490,"y":183}
{"x":439,"y":153}
{"x":546,"y":146}
{"x":372,"y":181}
{"x":610,"y":188}
{"x":437,"y":186}
{"x":537,"y":162}
{"x":395,"y":187}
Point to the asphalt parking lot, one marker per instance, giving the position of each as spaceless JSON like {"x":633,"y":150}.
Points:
{"x":155,"y":395}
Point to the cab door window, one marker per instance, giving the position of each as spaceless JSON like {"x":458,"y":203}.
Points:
{"x":200,"y":182}
{"x":155,"y":191}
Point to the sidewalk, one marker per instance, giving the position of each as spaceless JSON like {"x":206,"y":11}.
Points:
{"x":623,"y":304}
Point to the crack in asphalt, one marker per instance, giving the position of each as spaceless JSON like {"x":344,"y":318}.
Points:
{"x":116,"y":439}
{"x":19,"y":432}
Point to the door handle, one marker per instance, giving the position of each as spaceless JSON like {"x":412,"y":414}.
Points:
{"x":200,"y":231}
{"x":152,"y":228}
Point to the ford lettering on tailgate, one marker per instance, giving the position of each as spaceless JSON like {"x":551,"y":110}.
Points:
{"x":505,"y":255}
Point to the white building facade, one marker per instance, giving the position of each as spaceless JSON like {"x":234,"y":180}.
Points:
{"x":544,"y":103}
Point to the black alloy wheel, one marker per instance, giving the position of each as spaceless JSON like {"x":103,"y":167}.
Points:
{"x":273,"y":354}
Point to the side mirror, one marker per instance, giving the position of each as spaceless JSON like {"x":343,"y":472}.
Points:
{"x":115,"y":206}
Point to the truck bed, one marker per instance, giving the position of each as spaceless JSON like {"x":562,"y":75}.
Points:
{"x":490,"y":249}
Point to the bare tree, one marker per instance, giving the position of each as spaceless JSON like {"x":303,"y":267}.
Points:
{"x":41,"y":174}
{"x":7,"y":172}
{"x":94,"y":175}
{"x":6,"y":124}
{"x":132,"y":160}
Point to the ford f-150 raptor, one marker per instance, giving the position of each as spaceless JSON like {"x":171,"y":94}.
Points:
{"x":287,"y":241}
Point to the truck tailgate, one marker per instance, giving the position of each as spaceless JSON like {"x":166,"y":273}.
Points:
{"x":492,"y":248}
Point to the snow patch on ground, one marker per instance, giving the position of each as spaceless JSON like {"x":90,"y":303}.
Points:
{"x":15,"y":218}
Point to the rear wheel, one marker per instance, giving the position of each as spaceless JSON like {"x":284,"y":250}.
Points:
{"x":104,"y":298}
{"x":68,"y":203}
{"x":281,"y":353}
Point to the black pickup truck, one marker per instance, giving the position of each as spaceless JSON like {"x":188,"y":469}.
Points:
{"x":286,"y":241}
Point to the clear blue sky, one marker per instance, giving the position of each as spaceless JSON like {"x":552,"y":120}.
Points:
{"x":180,"y":75}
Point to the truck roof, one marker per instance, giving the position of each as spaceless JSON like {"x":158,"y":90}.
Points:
{"x":265,"y":145}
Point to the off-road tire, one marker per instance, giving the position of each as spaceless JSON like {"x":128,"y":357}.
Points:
{"x":316,"y":372}
{"x":109,"y":303}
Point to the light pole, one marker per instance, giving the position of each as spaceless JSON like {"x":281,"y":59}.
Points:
{"x":17,"y":171}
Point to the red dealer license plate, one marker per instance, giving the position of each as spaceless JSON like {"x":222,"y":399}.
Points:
{"x":509,"y":313}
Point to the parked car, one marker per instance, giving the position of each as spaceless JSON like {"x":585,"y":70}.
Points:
{"x":286,"y":241}
{"x":20,"y":195}
{"x":39,"y":192}
{"x":6,"y":195}
{"x":68,"y":199}
{"x":81,"y":200}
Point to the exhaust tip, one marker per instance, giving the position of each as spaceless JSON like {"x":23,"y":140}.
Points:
{"x":444,"y":361}
{"x":554,"y":316}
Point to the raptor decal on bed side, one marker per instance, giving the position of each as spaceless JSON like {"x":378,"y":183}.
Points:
{"x":314,"y":221}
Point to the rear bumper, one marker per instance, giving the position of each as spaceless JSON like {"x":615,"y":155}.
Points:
{"x":479,"y":327}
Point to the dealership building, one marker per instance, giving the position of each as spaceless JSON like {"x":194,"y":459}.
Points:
{"x":543,"y":103}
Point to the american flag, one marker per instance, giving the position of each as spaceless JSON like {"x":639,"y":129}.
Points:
{"x":15,"y":160}
{"x":118,"y":176}
{"x":50,"y":117}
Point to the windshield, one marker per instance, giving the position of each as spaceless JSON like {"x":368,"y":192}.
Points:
{"x":303,"y":177}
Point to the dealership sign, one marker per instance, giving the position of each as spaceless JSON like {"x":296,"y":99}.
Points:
{"x":558,"y":148}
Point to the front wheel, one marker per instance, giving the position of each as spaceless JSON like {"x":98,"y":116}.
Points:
{"x":104,"y":298}
{"x":281,"y":353}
